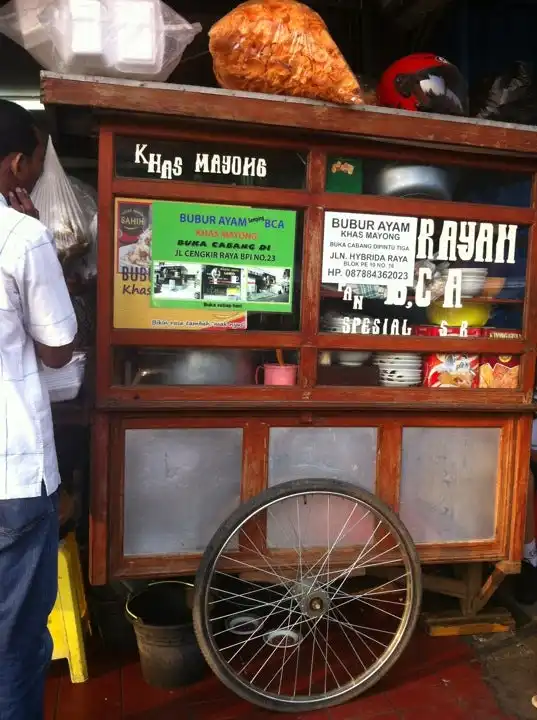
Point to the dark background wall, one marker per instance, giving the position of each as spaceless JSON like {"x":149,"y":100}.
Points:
{"x":481,"y":36}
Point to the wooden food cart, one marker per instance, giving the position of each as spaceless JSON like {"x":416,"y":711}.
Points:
{"x":216,"y":207}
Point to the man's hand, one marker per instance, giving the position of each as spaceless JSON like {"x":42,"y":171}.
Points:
{"x":21,"y":201}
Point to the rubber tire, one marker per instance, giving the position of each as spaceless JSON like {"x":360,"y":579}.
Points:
{"x":230,"y":526}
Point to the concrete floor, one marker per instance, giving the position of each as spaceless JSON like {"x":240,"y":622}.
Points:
{"x":509,"y":662}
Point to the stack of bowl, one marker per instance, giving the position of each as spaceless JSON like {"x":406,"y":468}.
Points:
{"x":334,"y":323}
{"x":473,"y":281}
{"x":352,"y":358}
{"x":399,"y":369}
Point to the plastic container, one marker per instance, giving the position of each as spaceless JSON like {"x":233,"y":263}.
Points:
{"x":64,"y":383}
{"x":136,"y":44}
{"x":29,"y":23}
{"x":475,"y":315}
{"x":79,"y":32}
{"x":414,"y":181}
{"x":137,"y":39}
{"x":450,"y":370}
{"x":162,"y":619}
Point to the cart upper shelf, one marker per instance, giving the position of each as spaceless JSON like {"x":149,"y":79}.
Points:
{"x":296,"y":114}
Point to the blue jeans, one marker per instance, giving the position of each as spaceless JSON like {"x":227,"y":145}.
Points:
{"x":29,"y":535}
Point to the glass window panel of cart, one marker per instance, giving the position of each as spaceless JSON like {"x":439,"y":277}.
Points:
{"x":387,"y":178}
{"x":410,"y":276}
{"x":150,"y":366}
{"x":459,"y":369}
{"x":208,"y":162}
{"x":195,"y":266}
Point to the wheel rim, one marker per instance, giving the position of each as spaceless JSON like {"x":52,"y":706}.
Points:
{"x":319,"y":623}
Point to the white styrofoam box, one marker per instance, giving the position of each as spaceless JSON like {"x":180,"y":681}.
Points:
{"x":135,"y":36}
{"x":31,"y":27}
{"x":64,"y":383}
{"x":87,"y":20}
{"x":78,"y":30}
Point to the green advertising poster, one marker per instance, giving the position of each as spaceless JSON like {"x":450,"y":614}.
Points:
{"x":222,"y":256}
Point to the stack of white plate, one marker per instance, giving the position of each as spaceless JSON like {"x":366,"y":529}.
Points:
{"x":473,"y":281}
{"x":399,"y":369}
{"x":332,"y":322}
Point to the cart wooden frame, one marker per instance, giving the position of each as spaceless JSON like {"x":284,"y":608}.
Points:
{"x":172,"y":113}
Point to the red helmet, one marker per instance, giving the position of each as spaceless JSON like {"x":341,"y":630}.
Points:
{"x":424,"y":82}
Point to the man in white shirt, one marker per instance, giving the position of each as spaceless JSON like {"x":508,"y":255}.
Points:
{"x":37,"y":324}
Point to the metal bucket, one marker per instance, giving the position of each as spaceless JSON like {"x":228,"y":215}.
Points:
{"x":162,"y":620}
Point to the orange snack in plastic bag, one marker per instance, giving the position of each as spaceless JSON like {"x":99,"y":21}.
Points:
{"x":281,"y":47}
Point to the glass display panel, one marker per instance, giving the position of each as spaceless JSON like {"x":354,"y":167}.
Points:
{"x":410,"y":179}
{"x":142,"y":367}
{"x":180,"y":486}
{"x":188,"y":266}
{"x":337,"y":453}
{"x":409,"y":276}
{"x":448,"y":483}
{"x":404,"y":369}
{"x":209,"y":162}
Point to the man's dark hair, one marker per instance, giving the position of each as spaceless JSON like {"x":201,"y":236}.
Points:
{"x":17,"y":130}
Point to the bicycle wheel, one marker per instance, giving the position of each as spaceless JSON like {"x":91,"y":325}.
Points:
{"x":307,"y":595}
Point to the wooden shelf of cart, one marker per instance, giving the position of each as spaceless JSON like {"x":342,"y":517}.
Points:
{"x":238,"y":232}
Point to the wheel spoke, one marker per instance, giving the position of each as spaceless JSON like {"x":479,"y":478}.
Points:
{"x":334,"y":653}
{"x":272,"y":574}
{"x":342,"y":623}
{"x":230,"y":595}
{"x":254,"y":635}
{"x":351,"y":644}
{"x":244,"y":611}
{"x":360,"y":637}
{"x":262,"y":555}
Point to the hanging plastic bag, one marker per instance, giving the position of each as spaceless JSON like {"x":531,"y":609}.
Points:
{"x":85,"y":267}
{"x":512,"y":97}
{"x":61,"y":211}
{"x":281,"y":47}
{"x":138,"y":39}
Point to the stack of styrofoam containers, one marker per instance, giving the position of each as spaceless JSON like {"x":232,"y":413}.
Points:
{"x":123,"y":36}
{"x":138,"y":39}
{"x":64,"y":383}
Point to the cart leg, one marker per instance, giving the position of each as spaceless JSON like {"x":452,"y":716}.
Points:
{"x":493,"y":582}
{"x":473,"y":595}
{"x":473,"y":578}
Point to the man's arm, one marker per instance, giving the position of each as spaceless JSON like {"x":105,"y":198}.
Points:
{"x":49,"y":315}
{"x":54,"y":357}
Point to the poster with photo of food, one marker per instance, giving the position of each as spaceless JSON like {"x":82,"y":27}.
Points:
{"x":133,"y":284}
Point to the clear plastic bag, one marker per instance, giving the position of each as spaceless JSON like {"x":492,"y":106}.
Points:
{"x":281,"y":47}
{"x":61,"y":210}
{"x":139,"y":39}
{"x":85,"y":267}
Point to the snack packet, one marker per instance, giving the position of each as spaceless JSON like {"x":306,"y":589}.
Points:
{"x":281,"y":47}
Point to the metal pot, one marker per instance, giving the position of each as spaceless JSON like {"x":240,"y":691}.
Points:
{"x":414,"y":181}
{"x":195,"y":367}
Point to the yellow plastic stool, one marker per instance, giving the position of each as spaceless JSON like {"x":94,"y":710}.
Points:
{"x":69,"y":616}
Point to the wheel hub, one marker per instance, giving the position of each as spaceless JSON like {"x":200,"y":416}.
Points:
{"x":314,"y":602}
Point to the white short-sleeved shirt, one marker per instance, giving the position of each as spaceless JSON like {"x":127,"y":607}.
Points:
{"x":34,"y":305}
